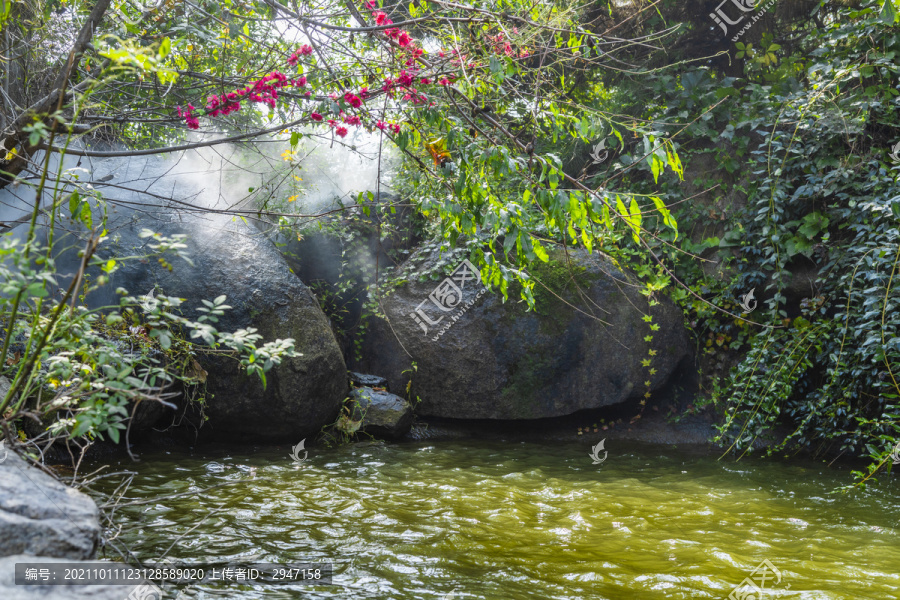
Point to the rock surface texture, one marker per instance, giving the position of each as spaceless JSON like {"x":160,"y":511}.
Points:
{"x":41,"y":516}
{"x":478,"y":358}
{"x":382,"y":414}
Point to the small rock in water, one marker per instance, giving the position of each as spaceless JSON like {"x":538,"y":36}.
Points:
{"x":372,"y":381}
{"x":381,"y":413}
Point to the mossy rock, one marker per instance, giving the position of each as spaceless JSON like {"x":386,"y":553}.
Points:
{"x":582,"y":347}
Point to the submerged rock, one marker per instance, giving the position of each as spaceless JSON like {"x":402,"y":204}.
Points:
{"x":41,"y":516}
{"x":381,"y":414}
{"x":478,"y":358}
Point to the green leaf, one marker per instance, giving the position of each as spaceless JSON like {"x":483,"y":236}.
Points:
{"x":668,"y":219}
{"x":73,"y":202}
{"x":165,"y":47}
{"x":85,"y":215}
{"x":634,"y":219}
{"x":656,"y":166}
{"x":888,"y":15}
{"x":539,"y":251}
{"x":607,"y":220}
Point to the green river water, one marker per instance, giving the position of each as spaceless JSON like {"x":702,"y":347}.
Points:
{"x":491,"y":520}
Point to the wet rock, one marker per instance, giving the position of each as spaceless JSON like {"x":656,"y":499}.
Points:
{"x":382,"y":414}
{"x":478,"y":358}
{"x":41,"y":516}
{"x":372,"y":381}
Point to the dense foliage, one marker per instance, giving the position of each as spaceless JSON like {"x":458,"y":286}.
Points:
{"x":710,"y":166}
{"x":803,"y":206}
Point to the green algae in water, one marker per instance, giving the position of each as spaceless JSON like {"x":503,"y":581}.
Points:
{"x":518,"y":520}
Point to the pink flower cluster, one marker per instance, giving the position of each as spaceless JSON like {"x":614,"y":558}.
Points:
{"x":301,"y":51}
{"x":192,"y":121}
{"x":264,"y":91}
{"x":222,"y":105}
{"x":394,"y":128}
{"x":340,"y":130}
{"x":352,"y":100}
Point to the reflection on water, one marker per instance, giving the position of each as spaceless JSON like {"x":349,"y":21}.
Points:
{"x":517,"y":520}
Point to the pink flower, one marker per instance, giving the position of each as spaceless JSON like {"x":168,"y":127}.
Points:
{"x":425,"y":81}
{"x":394,"y":128}
{"x":364,"y":93}
{"x":354,"y":120}
{"x":370,"y":4}
{"x":341,"y":131}
{"x":295,"y":57}
{"x":382,"y":19}
{"x":305,"y":49}
{"x":332,"y":123}
{"x":300,"y":82}
{"x":380,"y":125}
{"x":404,"y":39}
{"x":444,"y":81}
{"x":315,"y":117}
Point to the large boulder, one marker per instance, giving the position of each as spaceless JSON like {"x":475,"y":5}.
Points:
{"x":188,"y":195}
{"x":41,"y":516}
{"x":302,"y":393}
{"x":478,"y":358}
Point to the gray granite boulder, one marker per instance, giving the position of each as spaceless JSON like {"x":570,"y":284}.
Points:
{"x":41,"y":516}
{"x":476,"y":357}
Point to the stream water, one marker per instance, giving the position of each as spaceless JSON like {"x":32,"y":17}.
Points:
{"x":493,"y":520}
